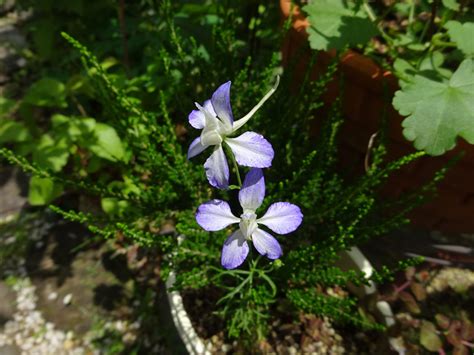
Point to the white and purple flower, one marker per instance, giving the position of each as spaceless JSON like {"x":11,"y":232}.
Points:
{"x":281,"y":218}
{"x":216,"y":121}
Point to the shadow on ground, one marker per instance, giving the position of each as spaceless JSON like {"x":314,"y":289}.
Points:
{"x":68,"y":263}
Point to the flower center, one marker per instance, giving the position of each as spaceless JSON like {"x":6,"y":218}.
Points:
{"x":210,"y":137}
{"x":248,"y":224}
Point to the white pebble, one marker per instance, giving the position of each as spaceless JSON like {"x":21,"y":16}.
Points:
{"x":67,"y":299}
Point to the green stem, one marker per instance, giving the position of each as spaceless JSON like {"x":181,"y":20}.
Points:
{"x":236,"y":167}
{"x":370,"y":13}
{"x":440,"y":43}
{"x":411,"y":16}
{"x":424,"y":32}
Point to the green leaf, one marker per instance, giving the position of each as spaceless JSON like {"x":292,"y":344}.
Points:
{"x":42,"y":191}
{"x":418,"y":290}
{"x":114,"y":206}
{"x":451,"y":4}
{"x":106,"y":143}
{"x":337,"y":23}
{"x":404,"y":71}
{"x":432,"y":62}
{"x":438,"y":112}
{"x":463,"y":35}
{"x":72,"y":128}
{"x":11,"y":131}
{"x":46,"y":92}
{"x":442,"y":321}
{"x":51,"y":154}
{"x":403,"y":40}
{"x":409,"y":302}
{"x":429,"y":337}
{"x":431,"y":66}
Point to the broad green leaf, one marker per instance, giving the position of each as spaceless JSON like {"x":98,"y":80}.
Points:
{"x":114,"y":206}
{"x":431,"y":66}
{"x":11,"y":131}
{"x":404,"y":71}
{"x":71,"y":128}
{"x":432,"y":62}
{"x":106,"y":143}
{"x":438,"y":112}
{"x":46,"y":92}
{"x":429,"y":337}
{"x":463,"y":35}
{"x":51,"y":154}
{"x":402,"y":8}
{"x":42,"y":191}
{"x":451,"y":4}
{"x":337,"y":23}
{"x":403,"y":40}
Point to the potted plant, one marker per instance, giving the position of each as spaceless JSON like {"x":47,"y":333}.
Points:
{"x":239,"y":182}
{"x":256,"y":276}
{"x":411,"y":46}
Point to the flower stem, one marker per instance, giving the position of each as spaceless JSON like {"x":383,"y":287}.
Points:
{"x":236,"y":167}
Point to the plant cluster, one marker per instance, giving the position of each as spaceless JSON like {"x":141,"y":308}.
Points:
{"x":427,"y":44}
{"x":120,"y":139}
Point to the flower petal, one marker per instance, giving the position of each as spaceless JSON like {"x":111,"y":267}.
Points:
{"x":282,"y":217}
{"x":210,"y":120}
{"x":208,"y":106}
{"x":253,"y":190}
{"x":266,"y":244}
{"x":217,"y":170}
{"x":221,"y":103}
{"x":196,"y":119}
{"x":215,"y":215}
{"x":251,"y":149}
{"x":195,"y":148}
{"x":234,"y":251}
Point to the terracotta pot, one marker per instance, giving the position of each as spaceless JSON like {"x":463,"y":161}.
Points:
{"x":352,"y":259}
{"x":368,"y":92}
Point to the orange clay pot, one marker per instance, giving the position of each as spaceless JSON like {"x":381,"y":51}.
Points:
{"x":367,"y":90}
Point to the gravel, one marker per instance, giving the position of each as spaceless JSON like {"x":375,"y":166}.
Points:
{"x":456,"y":279}
{"x":29,"y":333}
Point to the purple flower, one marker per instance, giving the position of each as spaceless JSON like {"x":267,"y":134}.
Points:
{"x":281,"y":217}
{"x":216,"y":121}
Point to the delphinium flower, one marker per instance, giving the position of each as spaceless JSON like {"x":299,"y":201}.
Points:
{"x":216,"y":121}
{"x":281,"y":218}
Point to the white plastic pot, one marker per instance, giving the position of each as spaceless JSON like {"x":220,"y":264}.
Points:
{"x":355,"y":260}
